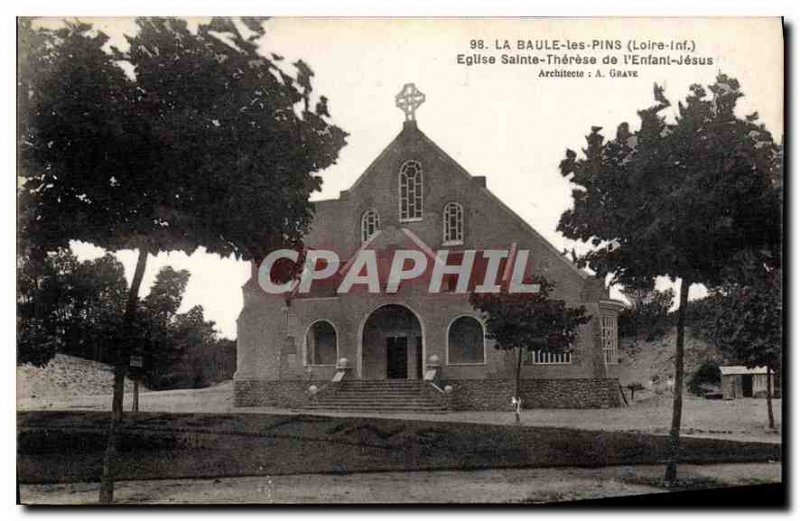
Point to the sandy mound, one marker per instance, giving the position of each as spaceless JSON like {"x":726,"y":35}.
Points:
{"x":644,"y":361}
{"x":65,"y":376}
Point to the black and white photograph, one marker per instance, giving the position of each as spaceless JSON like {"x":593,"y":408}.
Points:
{"x":275,"y":260}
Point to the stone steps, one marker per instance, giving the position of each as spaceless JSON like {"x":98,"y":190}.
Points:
{"x":380,"y":395}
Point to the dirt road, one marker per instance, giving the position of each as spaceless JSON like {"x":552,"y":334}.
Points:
{"x":744,"y":419}
{"x":483,"y":486}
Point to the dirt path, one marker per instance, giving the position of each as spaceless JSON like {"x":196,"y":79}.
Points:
{"x":484,"y":486}
{"x":744,"y":419}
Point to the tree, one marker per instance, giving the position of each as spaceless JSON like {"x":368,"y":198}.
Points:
{"x":166,"y":294}
{"x":98,"y":291}
{"x":188,"y":354}
{"x":216,"y":362}
{"x":155,"y":318}
{"x":204,"y":142}
{"x":747,"y":324}
{"x":679,"y":199}
{"x":68,"y":306}
{"x":193,"y":336}
{"x":706,"y":376}
{"x":80,"y":311}
{"x":529,"y":321}
{"x":648,"y":315}
{"x":43,"y":305}
{"x":167,"y":333}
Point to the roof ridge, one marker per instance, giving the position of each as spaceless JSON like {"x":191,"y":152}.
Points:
{"x":525,"y":224}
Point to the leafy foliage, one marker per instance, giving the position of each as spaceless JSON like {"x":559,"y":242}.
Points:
{"x":185,"y":139}
{"x":680,"y":199}
{"x":529,"y":320}
{"x":177,"y":346}
{"x":159,"y":312}
{"x":649,"y":316}
{"x":206,"y":142}
{"x":69,"y":306}
{"x":186,"y":335}
{"x":166,"y":294}
{"x":83,"y":152}
{"x":705,"y":378}
{"x":77,"y":308}
{"x":689,"y":200}
{"x":206,"y":364}
{"x":747,"y":321}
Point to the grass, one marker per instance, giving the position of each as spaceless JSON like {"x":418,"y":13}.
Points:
{"x":66,"y":446}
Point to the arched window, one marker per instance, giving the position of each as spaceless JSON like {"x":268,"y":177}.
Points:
{"x":321,"y":344}
{"x":453,"y":221}
{"x":465,"y":341}
{"x":411,"y":191}
{"x":370,"y":223}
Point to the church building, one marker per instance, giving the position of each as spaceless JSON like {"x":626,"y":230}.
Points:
{"x":413,"y":348}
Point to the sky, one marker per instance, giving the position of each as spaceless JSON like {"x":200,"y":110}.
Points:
{"x":501,"y":121}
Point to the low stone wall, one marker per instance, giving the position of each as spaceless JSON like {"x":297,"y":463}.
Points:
{"x":286,"y":394}
{"x":467,"y":395}
{"x":568,"y":393}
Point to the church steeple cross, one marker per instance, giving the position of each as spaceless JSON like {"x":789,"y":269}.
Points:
{"x":409,"y":100}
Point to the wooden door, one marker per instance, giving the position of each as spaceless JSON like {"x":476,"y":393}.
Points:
{"x":396,"y":357}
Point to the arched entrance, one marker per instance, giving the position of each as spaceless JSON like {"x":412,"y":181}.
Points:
{"x":391,"y":344}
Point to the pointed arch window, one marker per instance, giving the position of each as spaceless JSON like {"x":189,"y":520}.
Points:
{"x":453,"y":223}
{"x":370,"y":223}
{"x":411,"y":191}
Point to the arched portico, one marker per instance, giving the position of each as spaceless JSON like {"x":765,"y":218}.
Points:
{"x":391,"y":344}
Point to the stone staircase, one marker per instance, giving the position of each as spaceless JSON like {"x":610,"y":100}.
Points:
{"x":381,"y":396}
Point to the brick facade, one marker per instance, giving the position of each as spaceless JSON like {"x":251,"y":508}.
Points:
{"x":272,"y":359}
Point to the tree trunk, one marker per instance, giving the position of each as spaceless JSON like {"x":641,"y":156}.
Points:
{"x":135,"y":406}
{"x":107,"y":477}
{"x":677,"y":392}
{"x":518,"y":406}
{"x":769,"y":399}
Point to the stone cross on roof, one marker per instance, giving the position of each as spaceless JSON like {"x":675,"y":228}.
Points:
{"x":409,"y":100}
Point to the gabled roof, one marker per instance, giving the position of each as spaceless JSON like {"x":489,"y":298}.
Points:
{"x":740,"y":369}
{"x":411,"y":127}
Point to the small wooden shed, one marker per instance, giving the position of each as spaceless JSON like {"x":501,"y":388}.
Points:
{"x":737,"y":381}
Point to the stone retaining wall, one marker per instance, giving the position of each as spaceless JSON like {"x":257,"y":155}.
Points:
{"x":572,"y":393}
{"x":285,"y":394}
{"x":467,"y":395}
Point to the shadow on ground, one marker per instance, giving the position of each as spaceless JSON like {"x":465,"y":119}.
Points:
{"x":57,"y":447}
